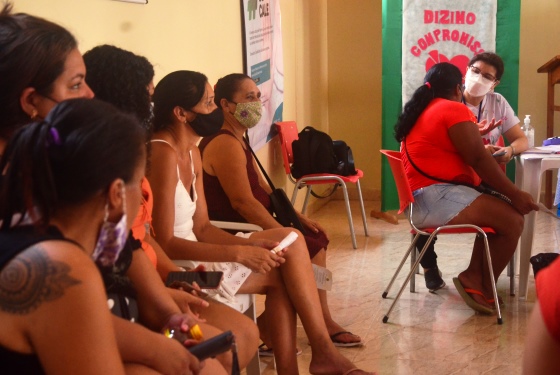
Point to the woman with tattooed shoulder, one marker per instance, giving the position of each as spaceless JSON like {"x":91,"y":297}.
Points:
{"x":82,"y":168}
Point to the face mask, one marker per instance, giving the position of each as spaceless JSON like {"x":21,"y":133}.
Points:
{"x":248,"y":114}
{"x":476,"y":85}
{"x":206,"y":125}
{"x":111,"y":239}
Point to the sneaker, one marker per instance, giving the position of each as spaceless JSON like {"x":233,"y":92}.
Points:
{"x":433,"y":279}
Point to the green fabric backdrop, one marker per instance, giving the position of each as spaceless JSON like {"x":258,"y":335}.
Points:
{"x":507,"y":46}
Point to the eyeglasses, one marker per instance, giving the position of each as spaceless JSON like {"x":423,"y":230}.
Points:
{"x":487,"y":76}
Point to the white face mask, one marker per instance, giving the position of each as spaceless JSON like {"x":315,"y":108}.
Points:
{"x":476,"y":85}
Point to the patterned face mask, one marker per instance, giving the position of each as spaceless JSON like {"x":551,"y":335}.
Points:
{"x":248,"y":114}
{"x":111,"y":239}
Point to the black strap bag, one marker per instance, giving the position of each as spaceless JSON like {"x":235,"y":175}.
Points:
{"x":345,"y":159}
{"x":284,"y":211}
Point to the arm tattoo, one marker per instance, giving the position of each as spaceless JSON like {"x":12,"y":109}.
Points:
{"x":31,"y":279}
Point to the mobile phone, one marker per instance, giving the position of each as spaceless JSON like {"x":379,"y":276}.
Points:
{"x":213,"y":346}
{"x":204,"y":279}
{"x":500,"y":153}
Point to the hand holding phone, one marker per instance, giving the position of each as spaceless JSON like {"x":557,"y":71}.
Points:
{"x":204,"y":279}
{"x":499,"y":153}
{"x":287,"y":241}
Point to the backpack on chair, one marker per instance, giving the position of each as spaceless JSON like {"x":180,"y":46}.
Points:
{"x":315,"y":152}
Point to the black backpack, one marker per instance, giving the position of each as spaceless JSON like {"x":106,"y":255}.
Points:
{"x":315,"y":152}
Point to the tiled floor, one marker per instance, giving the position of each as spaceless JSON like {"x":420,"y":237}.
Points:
{"x":426,"y":333}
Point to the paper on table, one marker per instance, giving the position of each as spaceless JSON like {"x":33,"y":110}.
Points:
{"x":543,"y":150}
{"x":323,"y":277}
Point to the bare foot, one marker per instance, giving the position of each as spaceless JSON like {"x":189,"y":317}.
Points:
{"x":470,"y":284}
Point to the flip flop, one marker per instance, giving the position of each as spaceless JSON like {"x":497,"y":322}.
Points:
{"x":342,"y":343}
{"x":464,"y":293}
{"x":265,"y":351}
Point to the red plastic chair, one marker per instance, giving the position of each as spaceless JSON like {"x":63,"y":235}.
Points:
{"x":406,"y":199}
{"x":288,"y":133}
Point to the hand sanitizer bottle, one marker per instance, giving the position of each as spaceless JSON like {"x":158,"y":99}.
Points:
{"x":529,"y":131}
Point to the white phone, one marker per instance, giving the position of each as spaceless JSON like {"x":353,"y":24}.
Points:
{"x":287,"y":241}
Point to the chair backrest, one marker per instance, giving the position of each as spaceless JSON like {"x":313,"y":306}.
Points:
{"x":288,"y":132}
{"x":399,"y":174}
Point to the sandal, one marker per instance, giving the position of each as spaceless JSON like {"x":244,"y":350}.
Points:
{"x":464,"y":293}
{"x":343,"y":343}
{"x":265,"y":351}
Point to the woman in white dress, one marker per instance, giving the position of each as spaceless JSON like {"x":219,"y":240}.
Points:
{"x":184,"y":110}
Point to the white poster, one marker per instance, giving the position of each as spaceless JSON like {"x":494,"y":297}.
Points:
{"x":264,"y":63}
{"x":437,"y":31}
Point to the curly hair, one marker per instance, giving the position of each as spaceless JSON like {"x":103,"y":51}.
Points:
{"x":32,"y":54}
{"x":440,"y":82}
{"x":121,"y":78}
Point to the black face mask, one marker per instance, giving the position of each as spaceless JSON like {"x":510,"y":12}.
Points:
{"x":206,"y":125}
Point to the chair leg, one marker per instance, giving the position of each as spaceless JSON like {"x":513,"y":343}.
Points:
{"x":511,"y":274}
{"x":494,"y":290}
{"x":411,"y":272}
{"x":297,"y":186}
{"x":364,"y":219}
{"x":398,"y":270}
{"x":349,"y":213}
{"x":413,"y":256}
{"x":306,"y":201}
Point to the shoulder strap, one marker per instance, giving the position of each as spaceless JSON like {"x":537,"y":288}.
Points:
{"x":481,"y":188}
{"x":260,"y":165}
{"x":162,"y":141}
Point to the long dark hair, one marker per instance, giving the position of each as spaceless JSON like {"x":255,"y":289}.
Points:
{"x":76,"y":152}
{"x":183,"y":88}
{"x":32,"y":54}
{"x":440,"y":82}
{"x":227,"y":86}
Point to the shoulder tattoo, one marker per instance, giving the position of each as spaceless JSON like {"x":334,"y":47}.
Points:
{"x":31,"y":279}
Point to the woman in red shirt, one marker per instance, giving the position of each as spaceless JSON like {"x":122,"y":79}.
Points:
{"x":441,"y":142}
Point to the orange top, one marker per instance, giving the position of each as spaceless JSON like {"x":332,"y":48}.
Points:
{"x":143,"y":218}
{"x":431,"y":149}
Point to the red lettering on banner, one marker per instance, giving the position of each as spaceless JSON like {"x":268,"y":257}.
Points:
{"x":464,"y":38}
{"x":455,"y":35}
{"x":449,"y":17}
{"x":446,"y":35}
